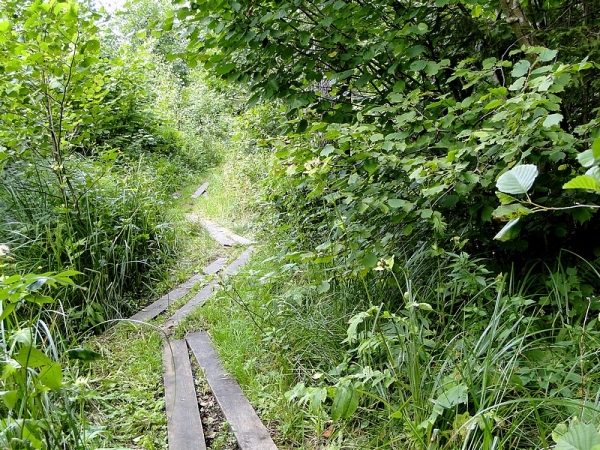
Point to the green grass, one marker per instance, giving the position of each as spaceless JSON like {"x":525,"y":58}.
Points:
{"x":128,"y":383}
{"x":232,"y":193}
{"x":502,"y":373}
{"x":128,"y":380}
{"x":507,"y":378}
{"x":234,"y":322}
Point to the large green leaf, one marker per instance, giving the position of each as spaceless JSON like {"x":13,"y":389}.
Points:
{"x":345,"y":402}
{"x":454,"y":396}
{"x":51,"y":376}
{"x":583,"y":182}
{"x":520,"y":68}
{"x":587,"y":158}
{"x":596,"y":148}
{"x":10,"y":398}
{"x":32,"y":357}
{"x":369,"y":260}
{"x":83,"y":354}
{"x":579,"y":437}
{"x":508,"y":231}
{"x":552,"y":119}
{"x":512,"y":211}
{"x":7,"y":308}
{"x":547,"y":55}
{"x":517,"y":180}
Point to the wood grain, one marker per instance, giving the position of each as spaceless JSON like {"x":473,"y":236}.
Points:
{"x":184,"y":427}
{"x":249,"y":431}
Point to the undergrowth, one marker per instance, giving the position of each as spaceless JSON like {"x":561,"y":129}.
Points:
{"x":356,"y":367}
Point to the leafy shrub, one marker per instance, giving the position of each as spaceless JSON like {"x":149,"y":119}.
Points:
{"x":42,"y":404}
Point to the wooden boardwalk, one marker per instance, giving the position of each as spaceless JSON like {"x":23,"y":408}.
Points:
{"x":184,"y":426}
{"x":200,"y":191}
{"x":161,"y":305}
{"x":249,"y":431}
{"x":222,"y":235}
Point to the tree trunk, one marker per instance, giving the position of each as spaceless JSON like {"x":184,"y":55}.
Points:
{"x":516,"y":18}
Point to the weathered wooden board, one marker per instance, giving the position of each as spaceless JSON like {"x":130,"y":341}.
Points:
{"x":205,"y":293}
{"x":217,"y":233}
{"x":249,"y":431}
{"x":201,"y":190}
{"x":160,"y":305}
{"x":184,"y":427}
{"x":202,"y":295}
{"x":235,"y":266}
{"x":222,"y":235}
{"x":227,"y":233}
{"x":215,"y":266}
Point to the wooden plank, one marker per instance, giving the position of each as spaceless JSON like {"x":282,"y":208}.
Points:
{"x":215,"y":266}
{"x":217,"y":233}
{"x":201,"y":190}
{"x":205,"y":293}
{"x":249,"y":431}
{"x":160,"y":305}
{"x":222,"y":235}
{"x":184,"y":427}
{"x":209,"y":224}
{"x":197,"y":300}
{"x":235,"y":266}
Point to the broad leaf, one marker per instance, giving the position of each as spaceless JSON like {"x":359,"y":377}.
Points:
{"x":369,"y":260}
{"x":51,"y":376}
{"x":7,"y":308}
{"x":517,"y":180}
{"x":552,"y":119}
{"x":512,"y":211}
{"x":520,"y":68}
{"x":508,"y":232}
{"x":583,"y":182}
{"x":579,"y":437}
{"x":587,"y":158}
{"x":505,"y":199}
{"x":454,"y":396}
{"x":10,"y":398}
{"x":371,"y":166}
{"x":596,"y":148}
{"x":83,"y":354}
{"x":547,"y":55}
{"x":345,"y":402}
{"x":396,"y":203}
{"x":32,"y":357}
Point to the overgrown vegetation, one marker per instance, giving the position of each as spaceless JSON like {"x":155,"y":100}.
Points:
{"x":433,"y":199}
{"x":426,"y":176}
{"x":98,"y":133}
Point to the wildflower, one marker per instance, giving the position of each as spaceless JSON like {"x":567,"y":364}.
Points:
{"x":4,"y":250}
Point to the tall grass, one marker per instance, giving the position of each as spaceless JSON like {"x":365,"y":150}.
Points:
{"x":119,"y":235}
{"x":442,"y":356}
{"x":43,"y":404}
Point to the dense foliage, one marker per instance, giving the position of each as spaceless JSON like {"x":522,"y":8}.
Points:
{"x":92,"y":148}
{"x":433,"y":196}
{"x":435,"y":187}
{"x":97,"y":133}
{"x":406,"y":113}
